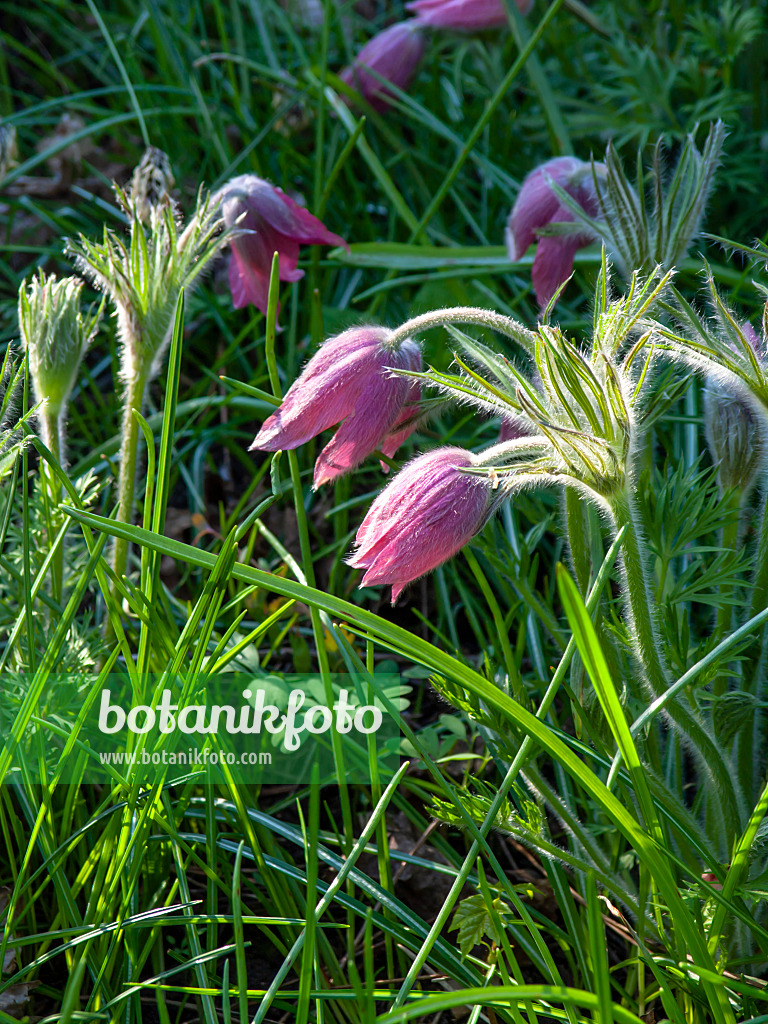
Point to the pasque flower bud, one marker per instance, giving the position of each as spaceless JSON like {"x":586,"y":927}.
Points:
{"x":394,"y":55}
{"x":347,"y":382}
{"x":56,"y":336}
{"x":734,"y":431}
{"x":151,"y":183}
{"x":427,"y":513}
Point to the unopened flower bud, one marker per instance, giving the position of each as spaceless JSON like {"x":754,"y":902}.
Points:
{"x":394,"y":55}
{"x":734,"y":437}
{"x":55,"y":334}
{"x":151,"y":183}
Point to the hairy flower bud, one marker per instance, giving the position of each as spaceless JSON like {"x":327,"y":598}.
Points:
{"x":734,"y":438}
{"x":56,"y":336}
{"x":394,"y":55}
{"x":427,"y":513}
{"x":151,"y":183}
{"x":347,"y":382}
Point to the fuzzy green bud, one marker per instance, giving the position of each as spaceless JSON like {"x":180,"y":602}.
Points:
{"x":151,"y":183}
{"x":56,"y":336}
{"x":734,"y":437}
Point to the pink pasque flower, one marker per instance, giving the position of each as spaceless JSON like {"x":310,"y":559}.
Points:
{"x":464,"y":15}
{"x":536,"y":207}
{"x":346,"y":382}
{"x":271,"y":222}
{"x":421,"y":519}
{"x":394,"y":54}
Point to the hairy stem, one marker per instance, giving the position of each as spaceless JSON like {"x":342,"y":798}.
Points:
{"x":51,"y":427}
{"x":641,"y":607}
{"x":724,"y":620}
{"x":126,"y":483}
{"x":464,"y":315}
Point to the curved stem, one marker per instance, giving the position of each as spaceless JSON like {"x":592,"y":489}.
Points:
{"x":642,"y":612}
{"x":465,"y":315}
{"x":126,"y":484}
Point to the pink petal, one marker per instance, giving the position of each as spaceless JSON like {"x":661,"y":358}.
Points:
{"x":462,"y":15}
{"x":304,"y":226}
{"x":553,"y":264}
{"x":317,"y":401}
{"x":426,"y":514}
{"x":394,"y":54}
{"x":377,"y":409}
{"x":537,"y":205}
{"x":247,"y":284}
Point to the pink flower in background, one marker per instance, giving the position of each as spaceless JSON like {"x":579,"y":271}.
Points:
{"x":346,"y":382}
{"x":421,"y":519}
{"x":510,"y":430}
{"x":394,"y":54}
{"x":464,"y":15}
{"x":271,"y":222}
{"x":536,"y":207}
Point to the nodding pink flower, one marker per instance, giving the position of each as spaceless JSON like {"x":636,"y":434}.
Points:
{"x":347,"y":382}
{"x":464,"y":15}
{"x":536,"y":207}
{"x":394,"y":55}
{"x":271,"y":222}
{"x":421,"y":519}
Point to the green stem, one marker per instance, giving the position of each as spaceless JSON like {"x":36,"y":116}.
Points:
{"x":52,"y":427}
{"x":641,"y":608}
{"x":759,"y":596}
{"x":126,"y":483}
{"x":724,"y":620}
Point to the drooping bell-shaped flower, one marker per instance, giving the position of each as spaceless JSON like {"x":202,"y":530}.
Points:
{"x":427,"y":513}
{"x":464,"y":15}
{"x":536,"y":207}
{"x":347,"y":382}
{"x":394,"y":55}
{"x":270,"y":221}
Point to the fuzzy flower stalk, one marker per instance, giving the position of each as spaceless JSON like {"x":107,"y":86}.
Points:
{"x":581,"y":421}
{"x":734,"y":361}
{"x":56,"y":336}
{"x":143,"y":277}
